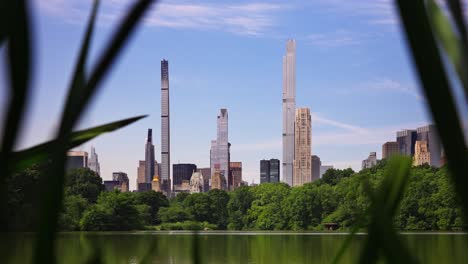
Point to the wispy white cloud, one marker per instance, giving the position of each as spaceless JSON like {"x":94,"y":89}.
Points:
{"x":384,"y":85}
{"x":246,"y":19}
{"x":335,"y":39}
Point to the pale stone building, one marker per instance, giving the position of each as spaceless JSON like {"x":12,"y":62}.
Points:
{"x":421,"y":153}
{"x":302,"y":155}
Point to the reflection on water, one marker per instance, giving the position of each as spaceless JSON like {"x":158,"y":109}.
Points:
{"x":227,"y":247}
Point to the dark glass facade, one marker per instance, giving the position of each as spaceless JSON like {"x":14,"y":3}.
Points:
{"x":269,"y":170}
{"x":406,"y":140}
{"x":181,"y":172}
{"x":316,"y":164}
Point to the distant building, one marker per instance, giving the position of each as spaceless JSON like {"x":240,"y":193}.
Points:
{"x":111,"y":185}
{"x":156,"y":184}
{"x":141,"y":175}
{"x":302,"y":156}
{"x":316,"y":164}
{"x":206,"y":173}
{"x":144,"y":186}
{"x":324,"y":169}
{"x":370,"y":162}
{"x":406,"y":140}
{"x":77,"y":159}
{"x":93,"y":162}
{"x":264,"y":171}
{"x":422,"y":154}
{"x":182,"y":172}
{"x":183,"y":187}
{"x":122,"y":178}
{"x":220,"y":148}
{"x":197,"y":184}
{"x":434,"y":147}
{"x":217,"y":181}
{"x":289,"y":108}
{"x":235,"y":172}
{"x":165,"y":130}
{"x":269,"y":170}
{"x":389,"y":149}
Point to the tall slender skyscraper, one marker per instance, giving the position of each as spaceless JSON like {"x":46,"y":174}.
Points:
{"x":303,"y":142}
{"x":93,"y":162}
{"x":219,"y":153}
{"x":289,"y":109}
{"x":149,"y":157}
{"x":165,"y":128}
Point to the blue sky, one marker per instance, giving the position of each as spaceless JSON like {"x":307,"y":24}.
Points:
{"x":353,"y":71}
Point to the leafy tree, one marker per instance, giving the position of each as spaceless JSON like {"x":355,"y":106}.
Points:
{"x":219,"y":214}
{"x":333,"y":176}
{"x":267,"y":211}
{"x":174,"y":213}
{"x":198,"y":205}
{"x":154,"y":200}
{"x":73,"y":208}
{"x":84,"y":182}
{"x":240,"y":202}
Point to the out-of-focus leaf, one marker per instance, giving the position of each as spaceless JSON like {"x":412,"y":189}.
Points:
{"x":382,"y":239}
{"x":19,"y":67}
{"x":40,"y":153}
{"x":456,"y":8}
{"x":451,"y":43}
{"x":438,"y":92}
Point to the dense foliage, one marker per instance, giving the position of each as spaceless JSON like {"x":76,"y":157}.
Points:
{"x":339,"y":197}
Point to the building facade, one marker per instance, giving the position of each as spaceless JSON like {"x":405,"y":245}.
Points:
{"x":206,"y":173}
{"x":389,"y":149}
{"x":370,"y":162}
{"x":235,"y":172}
{"x":270,"y":171}
{"x":422,"y":155}
{"x":220,"y":148}
{"x":93,"y":162}
{"x":182,"y":172}
{"x":77,"y":159}
{"x":122,"y":178}
{"x":434,"y":147}
{"x":316,"y":164}
{"x":303,"y":143}
{"x":149,"y":157}
{"x":289,"y":110}
{"x":197,"y":184}
{"x":406,"y":140}
{"x":165,"y":130}
{"x":217,"y":181}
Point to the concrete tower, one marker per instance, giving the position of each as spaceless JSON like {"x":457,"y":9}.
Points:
{"x":165,"y":129}
{"x":149,"y":157}
{"x":303,"y":143}
{"x":289,"y":108}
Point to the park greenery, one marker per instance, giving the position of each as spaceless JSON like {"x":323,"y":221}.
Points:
{"x":339,"y":197}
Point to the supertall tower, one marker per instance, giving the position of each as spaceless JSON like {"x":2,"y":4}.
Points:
{"x":149,"y":157}
{"x":289,"y":109}
{"x":303,"y":139}
{"x":165,"y":128}
{"x":219,"y":153}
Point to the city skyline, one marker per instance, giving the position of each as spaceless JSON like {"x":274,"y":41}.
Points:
{"x":209,"y":74}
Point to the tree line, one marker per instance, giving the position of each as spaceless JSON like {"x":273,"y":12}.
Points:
{"x":340,"y":197}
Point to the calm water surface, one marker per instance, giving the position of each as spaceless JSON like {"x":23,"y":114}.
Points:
{"x":230,"y":247}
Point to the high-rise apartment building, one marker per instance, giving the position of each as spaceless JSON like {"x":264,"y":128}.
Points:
{"x":217,"y":181}
{"x":219,"y":153}
{"x":264,"y":171}
{"x":182,"y":172}
{"x":370,"y":162}
{"x":430,"y":136}
{"x":141,"y":183}
{"x":149,"y":157}
{"x":93,"y":162}
{"x":389,"y":149}
{"x":122,"y":178}
{"x":206,"y":173}
{"x":77,"y":159}
{"x":289,"y":110}
{"x":235,"y":171}
{"x":406,"y":139}
{"x":316,"y":164}
{"x":165,"y":129}
{"x":422,"y":155}
{"x":303,"y":143}
{"x":269,"y":171}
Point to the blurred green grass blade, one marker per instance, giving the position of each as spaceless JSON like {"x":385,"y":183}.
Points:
{"x":19,"y":71}
{"x":196,"y":256}
{"x":456,"y":8}
{"x":438,"y":92}
{"x":451,"y":43}
{"x":113,"y":49}
{"x":78,"y":83}
{"x":146,"y":259}
{"x":40,"y":153}
{"x":383,"y":239}
{"x":345,"y":245}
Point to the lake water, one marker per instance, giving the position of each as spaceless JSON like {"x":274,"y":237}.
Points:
{"x":231,"y":247}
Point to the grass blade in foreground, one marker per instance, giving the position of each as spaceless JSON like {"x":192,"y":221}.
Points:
{"x":40,"y":153}
{"x":438,"y":92}
{"x":451,"y":43}
{"x":382,"y":239}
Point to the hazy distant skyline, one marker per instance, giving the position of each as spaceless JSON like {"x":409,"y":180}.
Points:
{"x":352,"y":70}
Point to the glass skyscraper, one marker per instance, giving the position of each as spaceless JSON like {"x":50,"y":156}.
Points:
{"x":149,"y":157}
{"x":289,"y":109}
{"x":165,"y":128}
